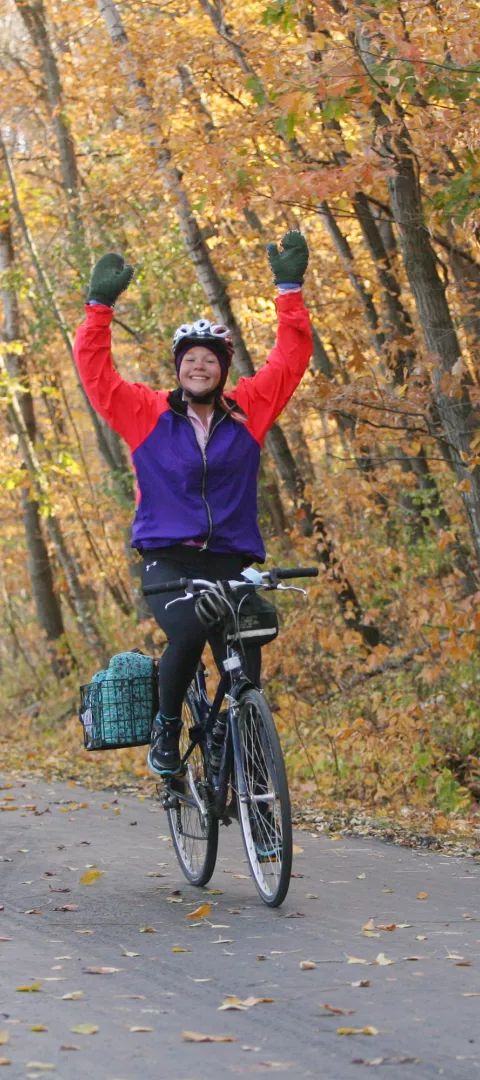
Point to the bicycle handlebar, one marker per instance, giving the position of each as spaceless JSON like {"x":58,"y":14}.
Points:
{"x":270,"y":576}
{"x":295,"y":571}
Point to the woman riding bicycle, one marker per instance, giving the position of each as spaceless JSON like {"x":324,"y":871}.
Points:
{"x":195,"y":451}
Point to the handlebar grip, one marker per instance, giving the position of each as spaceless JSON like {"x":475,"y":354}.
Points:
{"x":296,"y":571}
{"x":166,"y":586}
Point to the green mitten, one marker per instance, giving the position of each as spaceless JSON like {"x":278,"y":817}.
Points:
{"x":289,"y":264}
{"x":111,"y":275}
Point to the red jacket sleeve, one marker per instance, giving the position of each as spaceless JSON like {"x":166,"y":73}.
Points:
{"x":131,"y":409}
{"x":263,"y":396}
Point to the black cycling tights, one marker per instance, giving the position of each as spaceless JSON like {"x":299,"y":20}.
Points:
{"x":186,"y":635}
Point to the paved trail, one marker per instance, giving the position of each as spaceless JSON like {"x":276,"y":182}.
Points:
{"x":421,"y":980}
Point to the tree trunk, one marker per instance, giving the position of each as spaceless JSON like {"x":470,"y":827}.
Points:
{"x":34,"y":18}
{"x":457,"y":417}
{"x":47,"y":603}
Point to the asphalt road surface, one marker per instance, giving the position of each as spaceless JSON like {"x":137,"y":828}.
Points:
{"x":101,"y":979}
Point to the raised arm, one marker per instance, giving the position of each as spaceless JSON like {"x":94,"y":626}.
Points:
{"x":131,"y":409}
{"x":263,"y":396}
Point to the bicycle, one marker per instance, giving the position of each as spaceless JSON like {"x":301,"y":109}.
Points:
{"x":232,"y":764}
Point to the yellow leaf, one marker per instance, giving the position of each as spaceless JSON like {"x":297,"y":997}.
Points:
{"x":85,"y":1029}
{"x":200,"y":912}
{"x":4,"y":1037}
{"x":369,"y":925}
{"x":179,"y":948}
{"x":33,"y":988}
{"x":297,"y":850}
{"x":357,"y":1031}
{"x":38,"y":1027}
{"x":91,"y":876}
{"x":422,"y":896}
{"x":232,"y":1002}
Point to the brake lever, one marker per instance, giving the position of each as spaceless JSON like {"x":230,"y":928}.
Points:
{"x":291,"y":588}
{"x":179,"y":599}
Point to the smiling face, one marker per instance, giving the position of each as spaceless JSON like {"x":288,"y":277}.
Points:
{"x":200,"y":371}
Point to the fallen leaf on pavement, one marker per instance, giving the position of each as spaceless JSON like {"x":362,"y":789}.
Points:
{"x":357,"y":1031}
{"x":234,"y":1002}
{"x":422,"y":896}
{"x":307,"y":965}
{"x":41,"y":1066}
{"x":67,"y":907}
{"x":4,"y":1037}
{"x":142,"y":1029}
{"x":368,"y":926}
{"x":361,"y":982}
{"x":91,"y":876}
{"x":38,"y":1027}
{"x":32,"y":988}
{"x":179,"y":948}
{"x":356,"y":960}
{"x":383,"y":960}
{"x":385,"y":1061}
{"x":198,"y":1037}
{"x":336,"y":1011}
{"x":85,"y":1029}
{"x":200,"y":912}
{"x":297,"y":850}
{"x":5,"y":1061}
{"x":126,"y":952}
{"x":75,"y":995}
{"x":147,"y":930}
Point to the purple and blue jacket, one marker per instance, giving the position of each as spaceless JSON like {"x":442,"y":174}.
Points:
{"x":183,"y":493}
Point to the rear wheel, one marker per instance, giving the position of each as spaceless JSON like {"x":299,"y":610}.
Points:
{"x":264,"y":812}
{"x":193,"y":827}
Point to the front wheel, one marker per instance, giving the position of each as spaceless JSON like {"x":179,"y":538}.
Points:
{"x":263,"y":799}
{"x":193,"y":827}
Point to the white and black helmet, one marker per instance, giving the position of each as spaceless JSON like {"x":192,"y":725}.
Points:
{"x":203,"y":332}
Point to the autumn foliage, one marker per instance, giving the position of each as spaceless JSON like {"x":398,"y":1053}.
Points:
{"x":186,"y":136}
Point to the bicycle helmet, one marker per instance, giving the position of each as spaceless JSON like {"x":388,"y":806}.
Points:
{"x":203,"y":332}
{"x":211,"y":609}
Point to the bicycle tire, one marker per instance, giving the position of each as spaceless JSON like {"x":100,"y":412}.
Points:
{"x":266,"y":823}
{"x":194,"y":835}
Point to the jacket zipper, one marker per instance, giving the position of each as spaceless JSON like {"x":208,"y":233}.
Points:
{"x":204,"y":476}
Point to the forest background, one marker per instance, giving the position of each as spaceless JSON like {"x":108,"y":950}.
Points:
{"x":186,"y":136}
